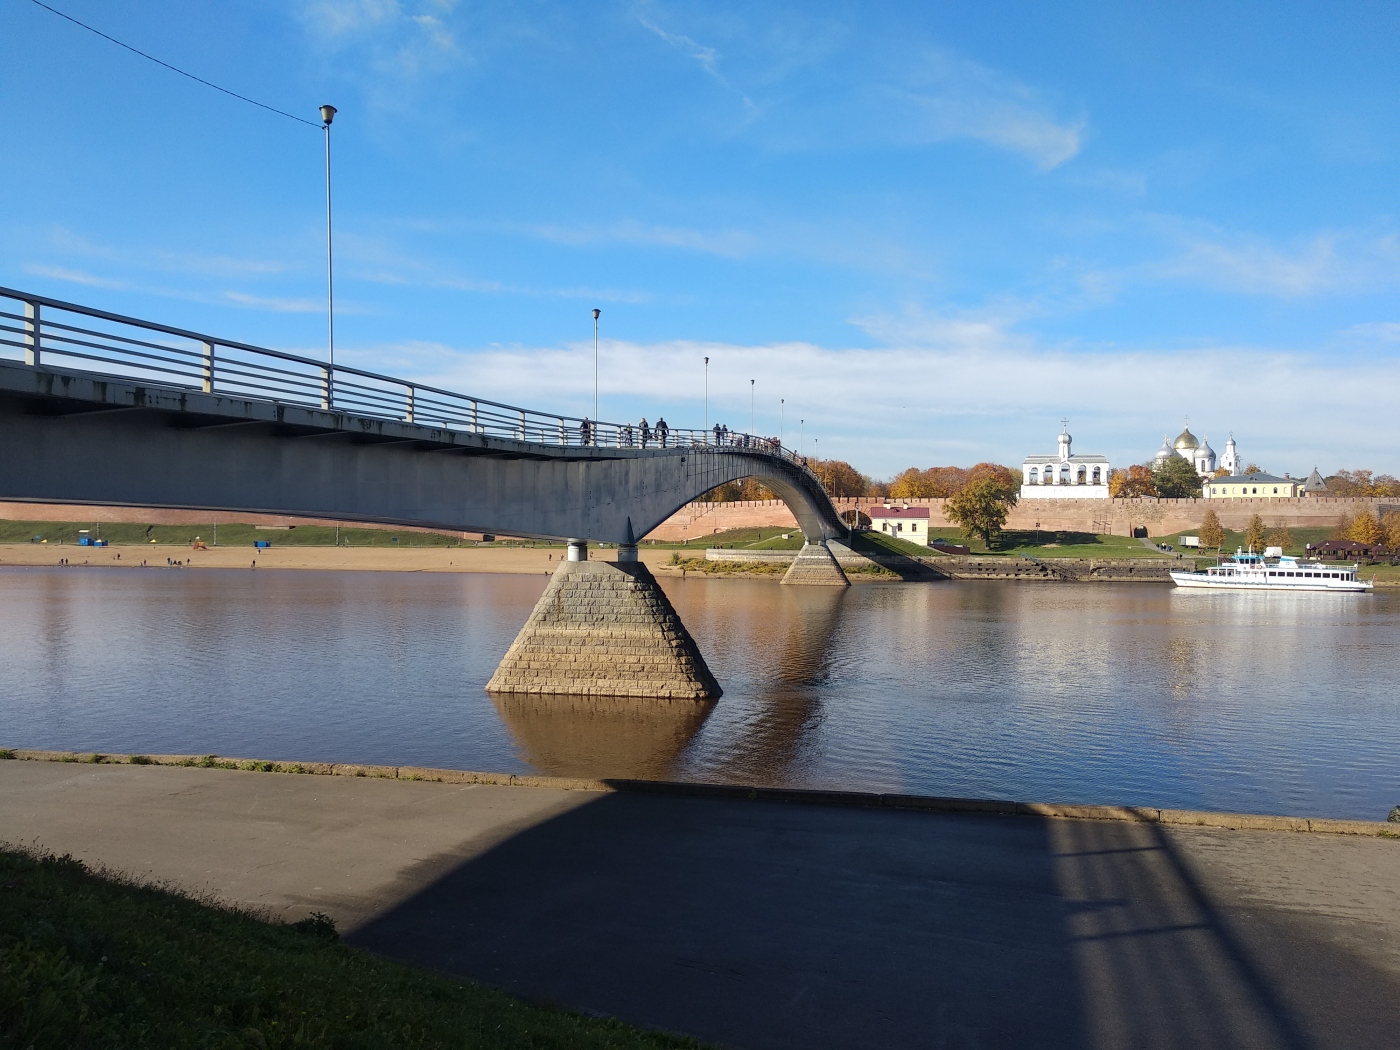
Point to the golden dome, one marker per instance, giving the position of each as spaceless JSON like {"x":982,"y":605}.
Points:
{"x":1186,"y":440}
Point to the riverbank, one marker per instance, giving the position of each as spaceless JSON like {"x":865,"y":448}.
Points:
{"x":750,"y":921}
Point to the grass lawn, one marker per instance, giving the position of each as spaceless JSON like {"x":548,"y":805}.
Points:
{"x":1043,"y":543}
{"x":767,"y":538}
{"x":229,"y":535}
{"x":90,"y":960}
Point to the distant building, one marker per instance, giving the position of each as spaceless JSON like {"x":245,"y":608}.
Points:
{"x":1314,"y":486}
{"x":1251,"y":486}
{"x":1230,"y":461}
{"x":1065,"y":475}
{"x":907,"y":523}
{"x":1198,"y":453}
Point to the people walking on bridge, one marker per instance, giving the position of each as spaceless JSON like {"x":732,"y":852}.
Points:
{"x":724,"y":432}
{"x":585,"y":432}
{"x":661,"y":431}
{"x":646,"y":431}
{"x":627,"y":435}
{"x":717,"y":434}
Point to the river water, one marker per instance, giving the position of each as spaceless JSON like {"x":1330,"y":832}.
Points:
{"x":1104,"y":693}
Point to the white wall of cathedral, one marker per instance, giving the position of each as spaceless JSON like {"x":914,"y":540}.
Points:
{"x":1056,"y":474}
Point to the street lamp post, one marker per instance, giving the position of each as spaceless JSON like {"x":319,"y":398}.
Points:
{"x":327,"y":115}
{"x":596,"y":312}
{"x":751,"y":430}
{"x":781,"y":402}
{"x":707,"y":400}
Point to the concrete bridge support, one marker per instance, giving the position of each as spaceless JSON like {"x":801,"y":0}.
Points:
{"x":604,"y":629}
{"x":816,"y":566}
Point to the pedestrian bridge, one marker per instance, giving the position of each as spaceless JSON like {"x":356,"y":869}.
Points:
{"x":100,"y":408}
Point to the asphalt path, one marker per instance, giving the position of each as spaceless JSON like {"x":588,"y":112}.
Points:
{"x":763,"y":924}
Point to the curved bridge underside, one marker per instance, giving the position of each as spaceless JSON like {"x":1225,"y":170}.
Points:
{"x":72,"y":437}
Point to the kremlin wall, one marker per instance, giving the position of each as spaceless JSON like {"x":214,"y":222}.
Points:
{"x":1161,"y":517}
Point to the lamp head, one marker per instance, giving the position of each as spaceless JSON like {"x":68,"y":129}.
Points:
{"x":327,"y":115}
{"x":596,"y":313}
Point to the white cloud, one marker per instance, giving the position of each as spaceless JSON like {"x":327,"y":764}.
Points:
{"x":402,"y":40}
{"x":707,"y":58}
{"x":966,"y":389}
{"x":954,"y":97}
{"x":1338,"y":261}
{"x":278,"y":305}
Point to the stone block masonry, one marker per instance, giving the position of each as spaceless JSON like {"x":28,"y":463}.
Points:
{"x":816,"y":566}
{"x":1161,"y":517}
{"x":604,"y":629}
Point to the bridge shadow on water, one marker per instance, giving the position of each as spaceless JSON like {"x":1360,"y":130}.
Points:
{"x":765,"y":924}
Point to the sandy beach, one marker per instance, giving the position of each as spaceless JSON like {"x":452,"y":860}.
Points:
{"x":519,"y":560}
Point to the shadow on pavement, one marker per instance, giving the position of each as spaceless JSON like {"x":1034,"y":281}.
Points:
{"x":758,"y":924}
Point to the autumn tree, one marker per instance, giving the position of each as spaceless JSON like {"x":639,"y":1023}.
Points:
{"x":1390,"y":524}
{"x":933,"y":483}
{"x":982,"y":506}
{"x":1254,"y":533}
{"x":1366,"y":529}
{"x":1254,"y":468}
{"x":1212,"y":532}
{"x":1176,"y":478}
{"x":839,"y":477}
{"x":1279,"y":536}
{"x":1343,"y":529}
{"x":1133,"y":483}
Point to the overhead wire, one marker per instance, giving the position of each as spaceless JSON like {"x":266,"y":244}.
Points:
{"x":177,"y":69}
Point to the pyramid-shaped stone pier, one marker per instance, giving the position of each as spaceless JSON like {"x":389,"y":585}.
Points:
{"x":816,"y":566}
{"x":604,"y":629}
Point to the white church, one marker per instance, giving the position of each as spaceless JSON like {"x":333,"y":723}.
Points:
{"x":1199,"y":453}
{"x":1064,"y":475}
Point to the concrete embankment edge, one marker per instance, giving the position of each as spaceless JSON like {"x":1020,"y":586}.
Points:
{"x":700,"y":789}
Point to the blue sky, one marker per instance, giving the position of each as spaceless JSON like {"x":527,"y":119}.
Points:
{"x":933,"y":229}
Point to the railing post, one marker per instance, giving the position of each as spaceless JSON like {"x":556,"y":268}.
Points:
{"x":327,"y":388}
{"x":522,"y":424}
{"x":32,"y":322}
{"x":208,"y":368}
{"x":475,"y":429}
{"x":408,"y":404}
{"x":563,"y":432}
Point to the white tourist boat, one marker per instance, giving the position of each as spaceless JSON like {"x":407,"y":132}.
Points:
{"x":1257,"y":572}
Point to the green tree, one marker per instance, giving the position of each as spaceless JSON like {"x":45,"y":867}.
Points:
{"x":1212,"y":533}
{"x":1254,"y":534}
{"x":1176,"y":478}
{"x":980,"y":509}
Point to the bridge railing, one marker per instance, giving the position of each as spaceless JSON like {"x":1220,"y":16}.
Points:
{"x":49,"y":332}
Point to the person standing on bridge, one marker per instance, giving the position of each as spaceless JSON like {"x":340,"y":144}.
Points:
{"x":585,"y":432}
{"x":646,"y":431}
{"x":627,"y":435}
{"x":661,"y":431}
{"x":717,"y":434}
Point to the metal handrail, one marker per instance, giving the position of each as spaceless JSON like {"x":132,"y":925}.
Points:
{"x":246,"y":370}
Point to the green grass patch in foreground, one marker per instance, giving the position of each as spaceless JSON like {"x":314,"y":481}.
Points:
{"x":94,"y":960}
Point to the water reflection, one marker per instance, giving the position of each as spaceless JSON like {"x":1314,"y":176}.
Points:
{"x":787,"y":713}
{"x":602,"y":736}
{"x":1119,"y":693}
